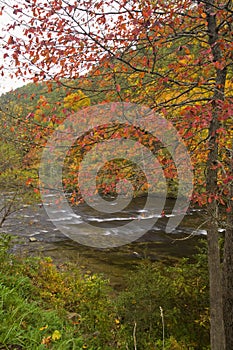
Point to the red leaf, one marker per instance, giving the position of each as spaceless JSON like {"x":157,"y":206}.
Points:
{"x":118,"y":88}
{"x":10,"y":40}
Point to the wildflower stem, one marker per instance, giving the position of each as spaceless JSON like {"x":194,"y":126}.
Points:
{"x":134,"y":336}
{"x":162,"y":317}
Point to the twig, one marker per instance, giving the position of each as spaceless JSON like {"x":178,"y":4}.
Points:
{"x":134,"y":336}
{"x":192,"y":234}
{"x":7,"y":209}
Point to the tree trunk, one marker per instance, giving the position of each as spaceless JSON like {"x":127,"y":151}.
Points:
{"x":228,"y":270}
{"x":217,"y":334}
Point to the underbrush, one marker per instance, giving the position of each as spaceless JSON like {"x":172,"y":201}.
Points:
{"x":44,"y":306}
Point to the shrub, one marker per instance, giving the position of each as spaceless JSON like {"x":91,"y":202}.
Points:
{"x":180,"y":291}
{"x":39,"y":298}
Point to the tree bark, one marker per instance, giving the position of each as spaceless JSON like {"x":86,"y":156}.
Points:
{"x":217,"y":333}
{"x":228,"y":269}
{"x":217,"y":336}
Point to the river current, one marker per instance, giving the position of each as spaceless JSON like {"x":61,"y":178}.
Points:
{"x":36,"y":234}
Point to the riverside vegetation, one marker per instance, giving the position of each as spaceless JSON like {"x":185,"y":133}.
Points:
{"x":49,"y":306}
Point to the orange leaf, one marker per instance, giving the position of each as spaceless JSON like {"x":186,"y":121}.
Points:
{"x":46,"y":340}
{"x":29,"y":181}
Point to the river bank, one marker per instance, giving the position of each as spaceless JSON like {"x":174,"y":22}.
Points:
{"x":64,"y":307}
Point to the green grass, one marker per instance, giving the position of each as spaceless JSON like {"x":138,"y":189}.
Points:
{"x":25,"y":324}
{"x":28,"y":326}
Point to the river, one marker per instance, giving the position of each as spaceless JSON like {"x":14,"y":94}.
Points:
{"x":35,"y":234}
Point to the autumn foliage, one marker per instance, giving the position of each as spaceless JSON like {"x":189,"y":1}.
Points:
{"x":172,"y":56}
{"x":158,"y":56}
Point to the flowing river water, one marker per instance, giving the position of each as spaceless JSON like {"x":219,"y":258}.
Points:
{"x":37,"y":235}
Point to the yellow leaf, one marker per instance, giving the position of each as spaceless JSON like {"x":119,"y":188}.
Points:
{"x":56,"y":335}
{"x":76,"y":100}
{"x":45,"y":327}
